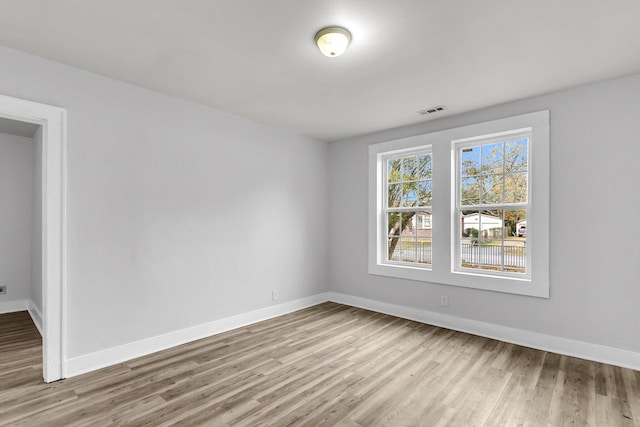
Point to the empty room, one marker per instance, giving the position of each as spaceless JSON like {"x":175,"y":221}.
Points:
{"x":329,"y":213}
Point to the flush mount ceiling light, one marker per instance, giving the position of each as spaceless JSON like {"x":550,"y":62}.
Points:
{"x":333,"y":41}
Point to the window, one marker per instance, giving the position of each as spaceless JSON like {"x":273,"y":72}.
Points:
{"x":407,"y":207}
{"x":467,"y":206}
{"x":425,"y":222}
{"x":492,"y":201}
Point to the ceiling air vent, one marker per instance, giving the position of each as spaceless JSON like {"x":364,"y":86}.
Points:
{"x":431,"y":110}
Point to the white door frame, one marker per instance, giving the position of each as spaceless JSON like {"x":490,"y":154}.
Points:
{"x":53,"y":121}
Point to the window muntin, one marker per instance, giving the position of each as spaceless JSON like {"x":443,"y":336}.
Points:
{"x":492,"y":202}
{"x":407,"y":207}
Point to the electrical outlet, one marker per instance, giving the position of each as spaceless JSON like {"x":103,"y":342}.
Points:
{"x":444,"y":301}
{"x":3,"y":290}
{"x":274,"y":295}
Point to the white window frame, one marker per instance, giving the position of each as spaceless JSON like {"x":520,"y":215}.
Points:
{"x":443,"y":269}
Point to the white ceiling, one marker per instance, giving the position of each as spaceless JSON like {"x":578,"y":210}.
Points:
{"x":256,"y":58}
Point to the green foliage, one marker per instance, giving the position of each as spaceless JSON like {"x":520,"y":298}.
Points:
{"x":472,"y":232}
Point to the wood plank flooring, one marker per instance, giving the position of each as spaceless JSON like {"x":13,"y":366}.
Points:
{"x":328,"y":365}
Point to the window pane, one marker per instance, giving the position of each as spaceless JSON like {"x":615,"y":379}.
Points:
{"x":422,"y":223}
{"x":410,"y":169}
{"x":424,"y":193}
{"x":424,"y":253}
{"x":470,"y":161}
{"x":413,"y":243}
{"x":469,"y":225}
{"x":409,"y":194}
{"x":491,"y":224}
{"x":469,"y":254}
{"x":393,"y":223}
{"x":402,"y":249}
{"x":408,"y":224}
{"x":515,"y":256}
{"x":490,"y":241}
{"x":409,"y":181}
{"x":516,"y":188}
{"x":492,"y":189}
{"x":492,"y":158}
{"x":515,"y":245}
{"x":393,"y":170}
{"x":394,"y":195}
{"x":491,"y":254}
{"x":515,"y":223}
{"x":483,"y":224}
{"x":469,"y":250}
{"x":424,"y":166}
{"x":515,"y":156}
{"x":394,"y":249}
{"x":469,"y":191}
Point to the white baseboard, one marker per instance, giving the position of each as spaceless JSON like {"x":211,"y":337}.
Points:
{"x":555,"y":344}
{"x":111,"y":356}
{"x":13,"y":306}
{"x":36,"y":316}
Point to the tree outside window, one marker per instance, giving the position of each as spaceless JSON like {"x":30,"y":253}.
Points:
{"x":408,"y":207}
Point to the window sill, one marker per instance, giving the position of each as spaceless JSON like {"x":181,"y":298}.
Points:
{"x":506,"y":284}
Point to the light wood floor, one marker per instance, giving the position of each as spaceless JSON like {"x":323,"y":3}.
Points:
{"x":327,"y":365}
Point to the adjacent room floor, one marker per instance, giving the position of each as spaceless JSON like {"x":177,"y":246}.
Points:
{"x":326,"y":365}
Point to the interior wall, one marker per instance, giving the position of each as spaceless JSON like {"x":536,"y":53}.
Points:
{"x":17,"y":154}
{"x":177,"y":214}
{"x":36,"y":224}
{"x":593,"y":243}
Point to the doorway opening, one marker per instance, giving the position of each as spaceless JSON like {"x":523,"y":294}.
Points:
{"x":50,"y":132}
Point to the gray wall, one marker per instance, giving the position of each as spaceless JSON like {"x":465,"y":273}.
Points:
{"x":594,"y":242}
{"x":177,"y":214}
{"x":17,"y":156}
